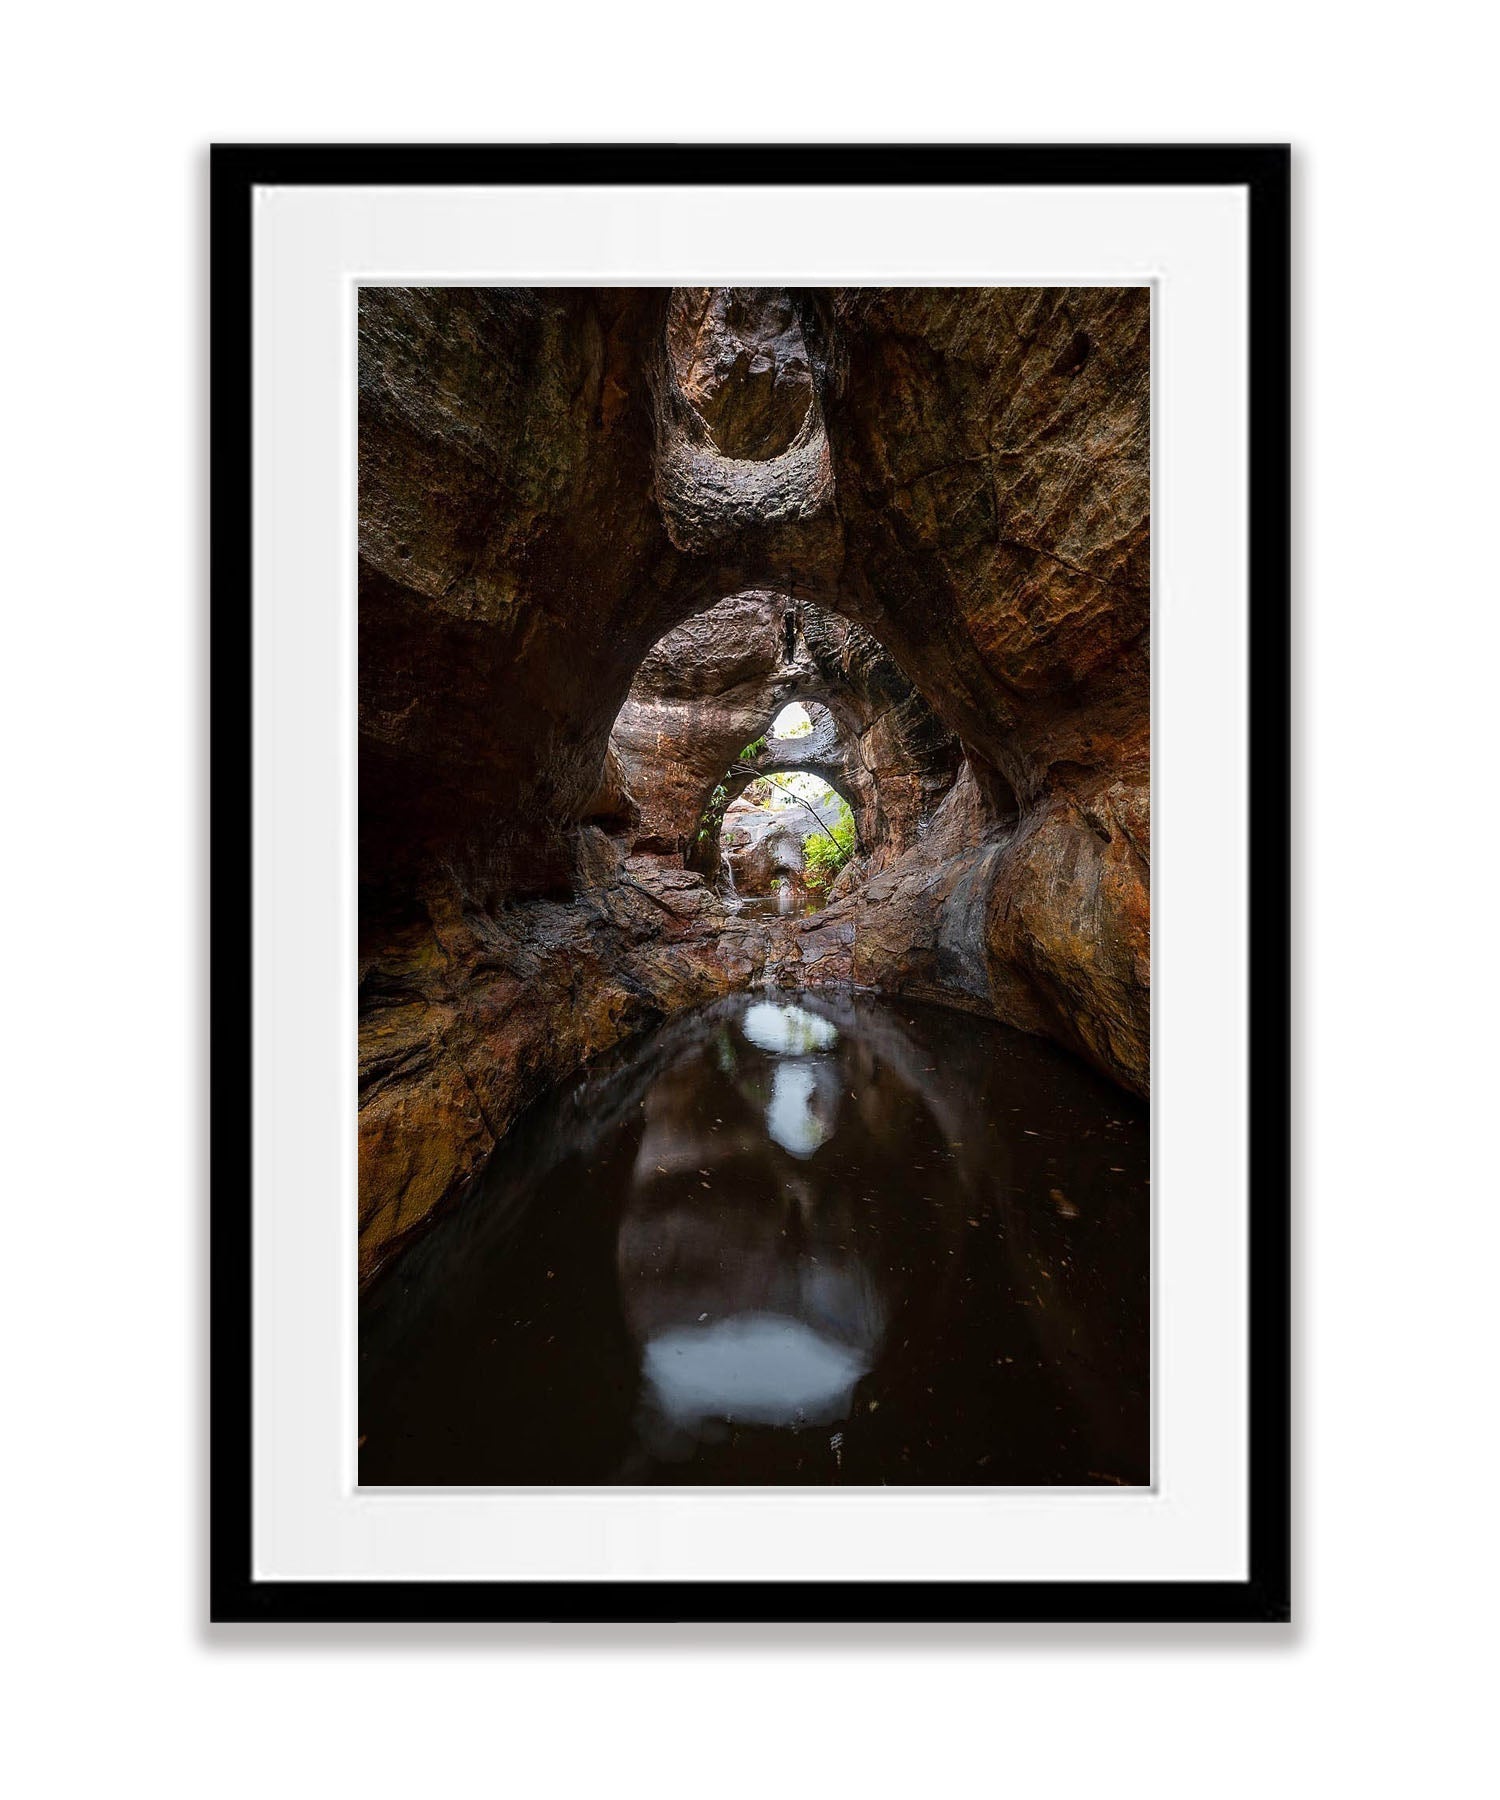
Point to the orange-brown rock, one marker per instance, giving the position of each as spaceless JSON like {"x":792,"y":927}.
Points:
{"x":711,"y":689}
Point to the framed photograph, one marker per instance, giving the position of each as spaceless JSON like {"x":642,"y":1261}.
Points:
{"x":750,"y":883}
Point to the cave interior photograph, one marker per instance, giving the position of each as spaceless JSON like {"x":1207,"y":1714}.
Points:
{"x":754,"y":888}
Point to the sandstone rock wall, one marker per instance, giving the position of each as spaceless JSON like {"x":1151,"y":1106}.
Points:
{"x":714,"y":686}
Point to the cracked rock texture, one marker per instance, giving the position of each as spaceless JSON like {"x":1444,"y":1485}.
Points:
{"x":585,"y":517}
{"x":741,"y":364}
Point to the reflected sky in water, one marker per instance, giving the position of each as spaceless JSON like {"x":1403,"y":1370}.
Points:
{"x":821,"y":1238}
{"x":762,"y":1368}
{"x":787,"y":1030}
{"x":801,"y":1113}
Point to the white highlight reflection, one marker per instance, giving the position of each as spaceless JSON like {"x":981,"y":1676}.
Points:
{"x":787,"y":1030}
{"x":763,"y":1368}
{"x":790,"y":1118}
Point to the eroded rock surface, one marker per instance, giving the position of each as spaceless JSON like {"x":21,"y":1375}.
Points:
{"x":741,"y":363}
{"x":713,"y":687}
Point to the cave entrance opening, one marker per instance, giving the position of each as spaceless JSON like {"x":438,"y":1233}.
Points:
{"x":715,"y":706}
{"x":783,"y":842}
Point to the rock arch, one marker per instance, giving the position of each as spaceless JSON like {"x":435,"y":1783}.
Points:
{"x":709,"y":690}
{"x":757,"y":848}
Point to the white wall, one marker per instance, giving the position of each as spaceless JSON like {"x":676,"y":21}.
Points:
{"x":1379,"y":1688}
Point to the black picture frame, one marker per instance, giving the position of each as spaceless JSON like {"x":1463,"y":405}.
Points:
{"x":1263,"y":170}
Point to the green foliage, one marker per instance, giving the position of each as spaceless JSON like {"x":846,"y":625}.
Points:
{"x":751,"y":751}
{"x":713,"y":813}
{"x":825,"y":853}
{"x":826,"y":849}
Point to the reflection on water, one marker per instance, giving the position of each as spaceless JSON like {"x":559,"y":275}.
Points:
{"x":787,"y":1030}
{"x":802,"y":1105}
{"x":831,"y":1240}
{"x":759,"y":1367}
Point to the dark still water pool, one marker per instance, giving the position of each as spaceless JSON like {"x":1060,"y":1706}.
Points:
{"x":784,"y":1238}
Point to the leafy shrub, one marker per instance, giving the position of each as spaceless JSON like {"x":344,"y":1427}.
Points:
{"x":713,"y":813}
{"x":825,"y":853}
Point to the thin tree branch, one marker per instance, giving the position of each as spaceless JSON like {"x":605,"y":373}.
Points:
{"x":792,"y":794}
